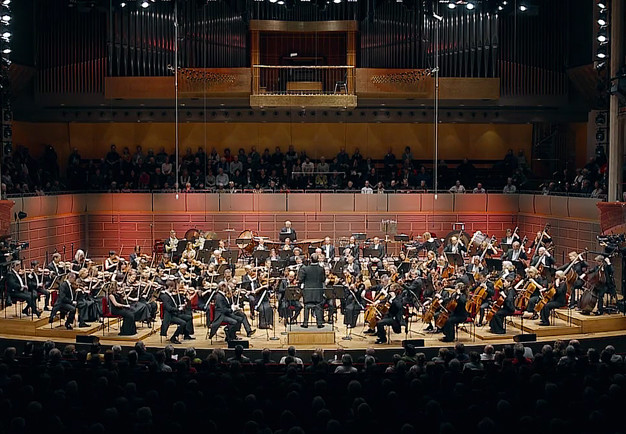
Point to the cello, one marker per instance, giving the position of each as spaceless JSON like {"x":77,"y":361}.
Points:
{"x":473,"y":304}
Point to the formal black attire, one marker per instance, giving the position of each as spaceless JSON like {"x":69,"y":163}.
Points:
{"x":290,"y":233}
{"x":534,"y":298}
{"x":491,"y":291}
{"x":352,"y":306}
{"x":458,"y":316}
{"x":459,"y":248}
{"x":328,"y":250}
{"x":223,"y":313}
{"x":508,"y":308}
{"x":559,"y":300}
{"x":579,"y":268}
{"x":431,"y":245}
{"x":514,"y":255}
{"x":172,"y":314}
{"x":287,"y":309}
{"x":602,"y":288}
{"x":250,"y":285}
{"x":380,"y":250}
{"x":65,"y":303}
{"x":393,"y":317}
{"x":263,"y":306}
{"x":18,"y":290}
{"x":128,"y":328}
{"x":354,"y":250}
{"x":312,"y":277}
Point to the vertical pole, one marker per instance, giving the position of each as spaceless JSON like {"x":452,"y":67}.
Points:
{"x":616,"y":146}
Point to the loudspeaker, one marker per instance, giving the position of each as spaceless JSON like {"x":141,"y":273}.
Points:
{"x":233,"y":344}
{"x":415,"y":342}
{"x":527,"y":337}
{"x":87,"y":339}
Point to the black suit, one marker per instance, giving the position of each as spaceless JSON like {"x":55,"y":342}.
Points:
{"x":35,"y":286}
{"x":224,"y":314}
{"x":288,"y":233}
{"x":457,"y":317}
{"x":579,"y":268}
{"x":313,"y":277}
{"x":65,"y":303}
{"x":508,"y":256}
{"x":508,"y":308}
{"x":354,"y":250}
{"x":16,"y":289}
{"x":328,"y":251}
{"x":459,"y":248}
{"x":392,"y":318}
{"x":173,"y":315}
{"x":557,"y":301}
{"x":380,"y":250}
{"x":250,"y":285}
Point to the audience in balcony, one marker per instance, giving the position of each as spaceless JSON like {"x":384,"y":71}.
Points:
{"x":281,"y":172}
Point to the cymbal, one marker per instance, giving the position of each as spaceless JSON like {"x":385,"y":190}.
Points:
{"x":229,"y":230}
{"x":311,"y":241}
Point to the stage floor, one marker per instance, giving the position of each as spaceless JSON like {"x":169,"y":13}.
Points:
{"x":567,"y":324}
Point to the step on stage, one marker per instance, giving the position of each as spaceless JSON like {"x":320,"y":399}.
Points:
{"x":312,"y":335}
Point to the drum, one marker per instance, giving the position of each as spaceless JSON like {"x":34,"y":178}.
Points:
{"x":465,"y":238}
{"x":246,"y":241}
{"x":588,"y":301}
{"x":192,"y":235}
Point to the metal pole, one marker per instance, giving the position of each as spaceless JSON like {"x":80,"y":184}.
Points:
{"x":177,"y":183}
{"x":616,"y":147}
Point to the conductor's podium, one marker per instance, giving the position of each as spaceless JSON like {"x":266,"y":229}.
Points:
{"x":312,"y":335}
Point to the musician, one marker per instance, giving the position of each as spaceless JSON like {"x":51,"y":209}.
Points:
{"x":559,"y":299}
{"x":217,"y":259}
{"x":17,"y":289}
{"x":371,"y":294}
{"x":173,"y":313}
{"x":328,"y":249}
{"x":297,"y":256}
{"x":510,"y":237}
{"x":224,"y":313}
{"x":533,"y":274}
{"x":351,"y":266}
{"x":455,"y":246}
{"x":579,"y":266}
{"x":430,"y":243}
{"x":486,"y":250}
{"x":65,"y":304}
{"x":379,"y":247}
{"x":540,"y":241}
{"x":55,"y":265}
{"x":111,"y":264}
{"x":288,"y":309}
{"x":496,"y":324}
{"x":544,"y":258}
{"x":250,"y":284}
{"x":515,"y":253}
{"x":312,"y":277}
{"x":35,"y":284}
{"x":351,"y":302}
{"x":431,"y":261}
{"x":287,"y":245}
{"x":86,"y":305}
{"x":263,"y":306}
{"x":199,"y":243}
{"x":414,"y":285}
{"x":261,"y":246}
{"x":605,"y":282}
{"x":475,"y":267}
{"x":482,"y":280}
{"x":189,"y":254}
{"x":171,"y":244}
{"x":394,"y":316}
{"x":79,"y":260}
{"x":458,"y":315}
{"x":508,"y":271}
{"x":354,"y":247}
{"x":135,"y":257}
{"x":288,"y":232}
{"x":462,"y":277}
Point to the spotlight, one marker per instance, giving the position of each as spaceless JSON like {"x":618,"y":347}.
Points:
{"x":6,"y":51}
{"x":145,"y":4}
{"x":602,"y":5}
{"x":123,"y":5}
{"x":523,"y":8}
{"x":601,"y":53}
{"x":6,"y":2}
{"x":451,"y":5}
{"x":500,"y":8}
{"x":470,"y":6}
{"x":602,"y":36}
{"x":281,"y":2}
{"x":6,"y":18}
{"x":504,"y":3}
{"x":6,"y":36}
{"x":599,"y":65}
{"x":602,"y":20}
{"x":273,"y":1}
{"x":336,"y":1}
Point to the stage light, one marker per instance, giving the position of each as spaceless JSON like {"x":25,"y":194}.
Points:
{"x":6,"y":51}
{"x":6,"y":2}
{"x":601,"y":53}
{"x":602,"y":35}
{"x":523,"y":8}
{"x":273,"y":1}
{"x":500,"y":8}
{"x":123,"y":4}
{"x":145,"y":4}
{"x":336,"y":1}
{"x":470,"y":6}
{"x":281,"y":2}
{"x":451,"y":5}
{"x":602,"y":20}
{"x":6,"y":18}
{"x":6,"y":36}
{"x":602,"y":5}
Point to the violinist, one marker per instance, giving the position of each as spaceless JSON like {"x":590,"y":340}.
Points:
{"x":112,"y":263}
{"x":289,"y":310}
{"x":173,"y":313}
{"x":217,"y":258}
{"x":354,"y":247}
{"x":559,"y":299}
{"x":431,"y":261}
{"x":224,"y":313}
{"x":475,"y":267}
{"x":250,"y":284}
{"x":515,"y":253}
{"x":458,"y":315}
{"x":328,"y":249}
{"x":79,"y":261}
{"x":86,"y":305}
{"x":510,"y":237}
{"x":543,"y":258}
{"x":36,"y":283}
{"x":136,"y":257}
{"x":17,"y":289}
{"x":605,"y":282}
{"x":262,"y":302}
{"x":580,"y":267}
{"x":56,"y":266}
{"x":394,"y":316}
{"x":165,"y":261}
{"x":66,"y":302}
{"x":143,"y":298}
{"x":189,"y":254}
{"x":119,"y":305}
{"x":352,"y":267}
{"x":508,"y":293}
{"x":455,"y":246}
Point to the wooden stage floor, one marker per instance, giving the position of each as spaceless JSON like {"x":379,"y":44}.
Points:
{"x":567,"y":324}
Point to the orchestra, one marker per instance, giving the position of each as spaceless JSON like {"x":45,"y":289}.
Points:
{"x":373,"y":290}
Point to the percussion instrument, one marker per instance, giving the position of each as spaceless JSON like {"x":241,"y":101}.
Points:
{"x":247,"y":241}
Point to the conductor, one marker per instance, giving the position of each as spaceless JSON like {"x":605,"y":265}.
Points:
{"x":312,"y":277}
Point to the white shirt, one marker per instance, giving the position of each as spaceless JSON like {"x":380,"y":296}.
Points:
{"x":367,"y":190}
{"x":457,"y":189}
{"x":509,"y":189}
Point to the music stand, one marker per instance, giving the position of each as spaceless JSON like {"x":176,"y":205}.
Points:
{"x":180,"y":248}
{"x":338,"y":267}
{"x":204,"y":256}
{"x":283,"y":235}
{"x":505,"y":247}
{"x":493,"y":264}
{"x":359,"y":236}
{"x":293,"y":293}
{"x":211,"y":245}
{"x":404,"y":267}
{"x":401,"y":237}
{"x":520,"y":268}
{"x":284,"y":255}
{"x":260,"y":256}
{"x":369,"y":252}
{"x":455,"y":259}
{"x":278,"y":264}
{"x":221,"y":268}
{"x":231,"y":255}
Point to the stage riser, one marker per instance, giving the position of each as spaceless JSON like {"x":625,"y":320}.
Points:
{"x":531,"y":326}
{"x":310,"y":338}
{"x":594,"y":324}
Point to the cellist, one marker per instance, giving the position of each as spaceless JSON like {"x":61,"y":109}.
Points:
{"x":456,"y":316}
{"x":559,"y":299}
{"x":580,"y":268}
{"x":487,"y":300}
{"x":496,"y":324}
{"x":533,"y":274}
{"x":394,"y":316}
